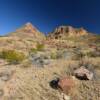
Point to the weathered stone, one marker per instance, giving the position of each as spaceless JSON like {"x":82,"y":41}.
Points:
{"x":83,"y":73}
{"x":54,"y":83}
{"x":64,"y":97}
{"x":4,"y":76}
{"x":65,"y":84}
{"x":40,"y":59}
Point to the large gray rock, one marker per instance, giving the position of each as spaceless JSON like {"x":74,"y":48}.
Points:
{"x":40,"y":59}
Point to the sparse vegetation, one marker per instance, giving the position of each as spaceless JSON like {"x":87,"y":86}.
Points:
{"x":53,"y":56}
{"x":93,"y":54}
{"x":33,"y":50}
{"x":26,"y":64}
{"x":10,"y":41}
{"x":45,"y":61}
{"x":12,"y":56}
{"x":40,"y":47}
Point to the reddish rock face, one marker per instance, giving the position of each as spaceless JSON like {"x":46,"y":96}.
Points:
{"x":65,"y":84}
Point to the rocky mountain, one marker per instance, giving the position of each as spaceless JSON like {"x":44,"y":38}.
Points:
{"x":28,"y":31}
{"x":28,"y":27}
{"x":67,"y":31}
{"x":65,"y":65}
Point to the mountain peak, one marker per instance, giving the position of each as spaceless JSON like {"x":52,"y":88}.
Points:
{"x":28,"y":25}
{"x":28,"y":28}
{"x":28,"y":31}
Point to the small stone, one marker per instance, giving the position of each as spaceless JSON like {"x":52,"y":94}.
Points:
{"x":54,"y":83}
{"x":65,"y":97}
{"x":5,"y":77}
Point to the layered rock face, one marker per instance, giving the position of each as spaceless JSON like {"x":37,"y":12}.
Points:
{"x":67,"y":31}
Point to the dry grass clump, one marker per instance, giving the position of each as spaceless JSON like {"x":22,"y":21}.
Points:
{"x":26,"y":64}
{"x":88,"y":90}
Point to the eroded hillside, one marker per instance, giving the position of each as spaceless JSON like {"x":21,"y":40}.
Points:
{"x":65,"y":65}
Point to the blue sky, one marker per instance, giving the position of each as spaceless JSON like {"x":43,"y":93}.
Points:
{"x":47,"y":14}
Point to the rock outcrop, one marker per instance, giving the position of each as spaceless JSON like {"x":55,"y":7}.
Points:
{"x":67,"y":31}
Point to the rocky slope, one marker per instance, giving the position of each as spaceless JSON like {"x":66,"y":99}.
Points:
{"x":22,"y":39}
{"x":65,"y":65}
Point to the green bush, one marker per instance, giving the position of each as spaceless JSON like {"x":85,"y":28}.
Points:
{"x":40,"y":47}
{"x":53,"y":56}
{"x":12,"y":56}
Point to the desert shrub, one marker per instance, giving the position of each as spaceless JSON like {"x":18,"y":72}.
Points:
{"x":90,"y":54}
{"x":53,"y":56}
{"x":9,"y":41}
{"x":40,"y":47}
{"x":12,"y":56}
{"x":93,"y":54}
{"x":33,"y":50}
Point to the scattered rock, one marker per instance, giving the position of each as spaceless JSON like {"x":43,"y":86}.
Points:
{"x":64,"y":97}
{"x":40,"y":60}
{"x":67,"y":54}
{"x":63,"y":54}
{"x":4,"y":76}
{"x":83,"y":74}
{"x":54,"y":83}
{"x":65,"y":84}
